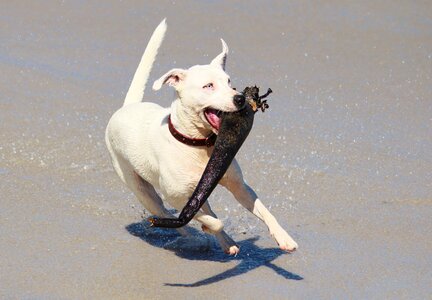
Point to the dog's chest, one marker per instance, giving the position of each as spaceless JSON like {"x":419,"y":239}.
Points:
{"x":181,"y":176}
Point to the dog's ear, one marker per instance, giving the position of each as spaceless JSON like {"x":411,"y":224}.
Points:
{"x":173,"y":78}
{"x":220,"y":60}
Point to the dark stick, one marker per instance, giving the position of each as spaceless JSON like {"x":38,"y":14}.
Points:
{"x":233,"y":131}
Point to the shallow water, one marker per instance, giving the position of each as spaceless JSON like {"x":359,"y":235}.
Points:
{"x":342,"y":157}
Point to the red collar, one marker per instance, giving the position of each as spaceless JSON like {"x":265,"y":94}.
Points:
{"x":208,"y":141}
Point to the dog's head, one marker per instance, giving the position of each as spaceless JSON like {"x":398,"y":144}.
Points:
{"x":205,"y":89}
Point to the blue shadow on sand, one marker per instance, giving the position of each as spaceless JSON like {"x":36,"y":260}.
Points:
{"x":250,"y":256}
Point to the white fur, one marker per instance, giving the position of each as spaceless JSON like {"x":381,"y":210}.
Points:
{"x":136,"y":90}
{"x":148,"y":158}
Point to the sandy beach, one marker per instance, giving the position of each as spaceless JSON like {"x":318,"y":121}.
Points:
{"x":342,"y":157}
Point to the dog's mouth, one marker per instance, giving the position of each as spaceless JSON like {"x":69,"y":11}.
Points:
{"x":213,"y":117}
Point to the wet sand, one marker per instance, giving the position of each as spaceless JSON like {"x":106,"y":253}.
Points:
{"x":342,"y":157}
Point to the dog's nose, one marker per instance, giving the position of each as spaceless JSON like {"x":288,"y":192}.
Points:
{"x":239,"y":100}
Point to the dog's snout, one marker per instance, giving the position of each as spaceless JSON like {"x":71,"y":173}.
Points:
{"x":239,"y":100}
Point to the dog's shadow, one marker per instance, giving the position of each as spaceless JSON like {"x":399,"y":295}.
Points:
{"x":250,"y":256}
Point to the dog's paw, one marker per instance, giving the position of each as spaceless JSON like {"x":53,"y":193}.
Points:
{"x":285,"y":242}
{"x":213,"y":227}
{"x":205,"y":229}
{"x":233,"y":250}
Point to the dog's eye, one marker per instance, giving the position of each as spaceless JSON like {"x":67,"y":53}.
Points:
{"x":229,"y":81}
{"x":208,"y":86}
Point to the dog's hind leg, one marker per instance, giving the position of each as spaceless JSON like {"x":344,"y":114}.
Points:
{"x":148,"y":196}
{"x":225,"y":241}
{"x":143,"y":190}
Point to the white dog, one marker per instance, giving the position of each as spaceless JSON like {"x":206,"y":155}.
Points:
{"x":147,"y":157}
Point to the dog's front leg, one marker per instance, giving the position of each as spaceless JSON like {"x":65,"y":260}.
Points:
{"x":225,"y":241}
{"x":248,"y":198}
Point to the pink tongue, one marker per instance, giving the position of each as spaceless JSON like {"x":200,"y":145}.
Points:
{"x":213,"y":119}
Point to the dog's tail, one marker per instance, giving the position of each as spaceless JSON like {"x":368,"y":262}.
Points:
{"x":136,"y":90}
